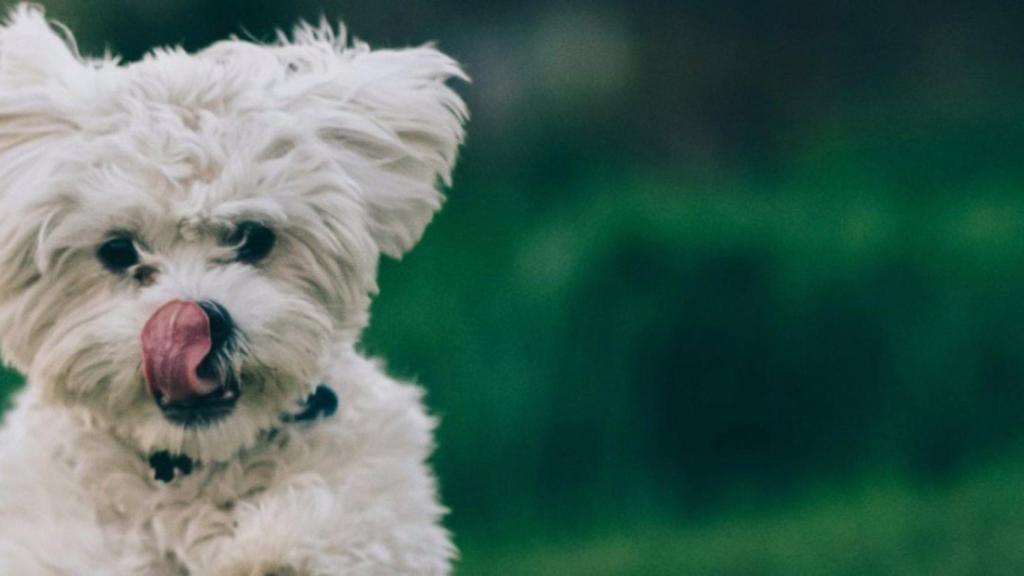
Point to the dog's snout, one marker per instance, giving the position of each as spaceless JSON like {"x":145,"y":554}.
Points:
{"x":186,"y":349}
{"x":222,"y":326}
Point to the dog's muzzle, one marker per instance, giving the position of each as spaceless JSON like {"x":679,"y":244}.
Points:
{"x":186,"y":349}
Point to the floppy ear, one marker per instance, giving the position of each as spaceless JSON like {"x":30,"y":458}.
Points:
{"x":31,"y":51}
{"x":391,"y":120}
{"x":38,"y":70}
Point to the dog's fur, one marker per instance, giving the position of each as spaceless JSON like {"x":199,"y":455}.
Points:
{"x":340,"y":149}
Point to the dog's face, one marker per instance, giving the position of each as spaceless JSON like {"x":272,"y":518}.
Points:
{"x":187,"y":242}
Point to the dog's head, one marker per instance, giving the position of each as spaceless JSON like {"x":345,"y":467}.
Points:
{"x":187,"y":242}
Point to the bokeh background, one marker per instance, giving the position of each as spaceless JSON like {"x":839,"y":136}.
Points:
{"x":723,"y":287}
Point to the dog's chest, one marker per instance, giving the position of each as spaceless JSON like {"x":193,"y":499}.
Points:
{"x":106,"y":496}
{"x":174,"y":527}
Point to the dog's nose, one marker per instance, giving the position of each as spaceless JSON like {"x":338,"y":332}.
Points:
{"x":222,"y":327}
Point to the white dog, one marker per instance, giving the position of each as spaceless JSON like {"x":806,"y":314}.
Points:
{"x":188,"y":246}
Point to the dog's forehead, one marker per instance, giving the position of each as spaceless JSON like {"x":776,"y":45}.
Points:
{"x":189,"y":140}
{"x":190,"y":182}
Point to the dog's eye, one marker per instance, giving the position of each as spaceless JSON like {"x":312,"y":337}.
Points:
{"x":254,"y":241}
{"x":118,"y":254}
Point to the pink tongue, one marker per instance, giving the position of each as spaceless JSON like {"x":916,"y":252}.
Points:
{"x":175,"y":341}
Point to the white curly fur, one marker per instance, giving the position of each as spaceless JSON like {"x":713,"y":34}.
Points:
{"x":340,"y":149}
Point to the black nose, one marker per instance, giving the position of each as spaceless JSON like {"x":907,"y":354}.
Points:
{"x":222,"y":327}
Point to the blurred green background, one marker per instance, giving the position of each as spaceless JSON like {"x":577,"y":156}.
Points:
{"x":723,"y":287}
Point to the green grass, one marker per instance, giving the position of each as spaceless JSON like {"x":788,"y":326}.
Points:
{"x":655,"y":339}
{"x":972,"y":527}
